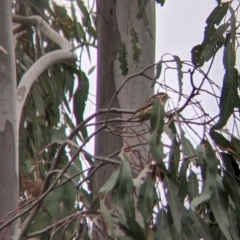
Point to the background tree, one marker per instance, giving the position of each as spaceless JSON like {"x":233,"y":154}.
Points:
{"x":179,"y":189}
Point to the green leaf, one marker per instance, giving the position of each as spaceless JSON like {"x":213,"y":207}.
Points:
{"x":156,"y":125}
{"x":193,"y":189}
{"x":161,"y":223}
{"x":145,"y":202}
{"x":213,"y":44}
{"x":78,"y":29}
{"x":221,"y":141}
{"x":187,"y":146}
{"x":180,"y":76}
{"x":109,"y":184}
{"x":219,"y":206}
{"x":52,"y":203}
{"x":235,"y":143}
{"x":158,"y":73}
{"x":200,"y":225}
{"x":215,"y":18}
{"x":60,"y":10}
{"x":174,"y":203}
{"x":59,"y":134}
{"x":122,"y":57}
{"x":128,"y":203}
{"x":182,"y":180}
{"x":79,"y":100}
{"x":211,"y":177}
{"x":233,"y":26}
{"x":230,"y":183}
{"x":120,"y":188}
{"x":38,"y":101}
{"x":229,"y":57}
{"x":189,"y":229}
{"x":108,"y":218}
{"x":174,"y":157}
{"x":132,"y":229}
{"x":84,"y":11}
{"x":233,"y":222}
{"x":37,"y":133}
{"x":90,"y":71}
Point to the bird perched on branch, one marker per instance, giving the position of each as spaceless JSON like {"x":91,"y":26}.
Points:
{"x":144,"y":112}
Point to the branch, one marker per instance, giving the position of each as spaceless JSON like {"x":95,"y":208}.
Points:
{"x":35,"y":71}
{"x":44,"y":28}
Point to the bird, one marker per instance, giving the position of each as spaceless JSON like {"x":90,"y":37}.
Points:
{"x":144,"y":112}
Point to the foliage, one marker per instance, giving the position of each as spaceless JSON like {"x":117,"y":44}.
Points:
{"x":182,"y":190}
{"x":47,"y":115}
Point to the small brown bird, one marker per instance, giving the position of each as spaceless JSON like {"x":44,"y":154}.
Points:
{"x":144,"y":112}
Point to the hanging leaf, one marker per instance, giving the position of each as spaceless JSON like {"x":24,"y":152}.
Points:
{"x":213,"y":44}
{"x":215,"y":18}
{"x":108,"y":219}
{"x":157,"y":123}
{"x":145,"y":202}
{"x":77,"y":28}
{"x":109,"y":184}
{"x":200,"y":225}
{"x":161,"y":224}
{"x":158,"y":73}
{"x":120,"y":188}
{"x":233,"y":222}
{"x":193,"y":189}
{"x":187,"y":146}
{"x":189,"y":229}
{"x":211,"y":177}
{"x":182,"y":180}
{"x":38,"y":101}
{"x":221,"y":141}
{"x":79,"y":101}
{"x":180,"y":76}
{"x":174,"y":158}
{"x":132,"y":229}
{"x":174,"y":203}
{"x":84,"y":11}
{"x":122,"y":57}
{"x":229,"y":98}
{"x":229,"y":56}
{"x":233,"y":26}
{"x":230,"y":183}
{"x":128,"y":202}
{"x":219,"y":206}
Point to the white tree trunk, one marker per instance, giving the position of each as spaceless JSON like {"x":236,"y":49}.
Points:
{"x":8,"y":123}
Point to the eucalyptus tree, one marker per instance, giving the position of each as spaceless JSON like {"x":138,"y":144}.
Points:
{"x":147,"y":179}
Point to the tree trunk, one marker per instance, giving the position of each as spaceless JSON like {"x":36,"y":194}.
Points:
{"x":114,"y":22}
{"x":8,"y":122}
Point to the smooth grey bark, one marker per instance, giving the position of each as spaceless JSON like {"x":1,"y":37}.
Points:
{"x":8,"y":123}
{"x":114,"y":21}
{"x":108,"y":42}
